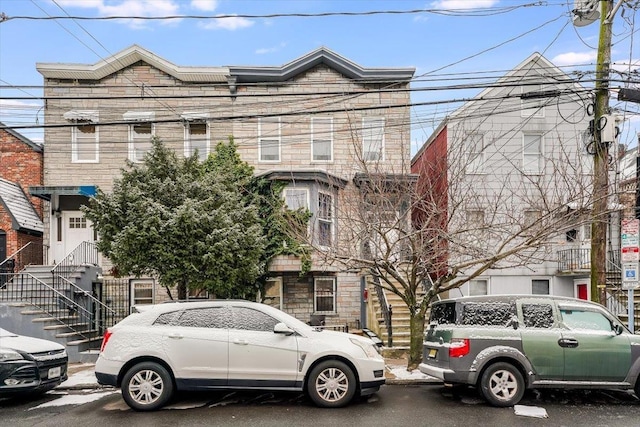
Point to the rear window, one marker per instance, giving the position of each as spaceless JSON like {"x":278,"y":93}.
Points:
{"x":443,"y":314}
{"x":487,"y":313}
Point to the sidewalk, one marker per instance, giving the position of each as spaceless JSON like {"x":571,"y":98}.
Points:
{"x":81,"y":376}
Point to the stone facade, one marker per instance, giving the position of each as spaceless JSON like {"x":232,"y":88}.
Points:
{"x":238,"y":102}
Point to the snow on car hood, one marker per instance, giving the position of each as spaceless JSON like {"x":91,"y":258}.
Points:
{"x":26,"y":344}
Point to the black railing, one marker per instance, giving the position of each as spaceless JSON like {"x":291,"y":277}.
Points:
{"x":387,"y":311}
{"x":580,"y":260}
{"x":86,"y":253}
{"x":29,"y":254}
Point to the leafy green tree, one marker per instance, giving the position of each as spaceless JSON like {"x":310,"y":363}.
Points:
{"x":191,"y":225}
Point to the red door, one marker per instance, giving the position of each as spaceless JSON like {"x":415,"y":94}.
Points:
{"x":582,"y":291}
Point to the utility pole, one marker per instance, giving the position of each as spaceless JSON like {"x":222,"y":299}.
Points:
{"x":600,"y":215}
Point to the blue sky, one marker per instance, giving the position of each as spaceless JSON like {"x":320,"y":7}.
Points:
{"x":448,"y":42}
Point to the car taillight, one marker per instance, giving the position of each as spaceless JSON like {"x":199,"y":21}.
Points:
{"x":105,"y":338}
{"x":459,"y":347}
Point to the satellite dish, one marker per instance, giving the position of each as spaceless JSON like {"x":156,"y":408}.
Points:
{"x":585,"y":12}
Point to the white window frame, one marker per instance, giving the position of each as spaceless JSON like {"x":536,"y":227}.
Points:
{"x":321,"y":137}
{"x":147,"y":283}
{"x":296,"y":189}
{"x":188,"y":146}
{"x":75,"y":144}
{"x":135,"y":142}
{"x":330,"y":221}
{"x":541,"y":280}
{"x":265,"y":136}
{"x":475,"y":155}
{"x":371,"y":139}
{"x":528,"y":155}
{"x":532,"y":107}
{"x":333,"y":295}
{"x":474,"y":285}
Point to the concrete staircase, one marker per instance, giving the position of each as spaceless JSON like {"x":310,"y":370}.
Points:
{"x":31,"y":304}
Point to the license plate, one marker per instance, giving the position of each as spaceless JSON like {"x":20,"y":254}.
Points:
{"x":54,"y":373}
{"x":433,"y":352}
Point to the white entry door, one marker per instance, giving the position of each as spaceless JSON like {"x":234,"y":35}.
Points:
{"x":73,"y":229}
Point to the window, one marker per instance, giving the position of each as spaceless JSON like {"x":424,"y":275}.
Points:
{"x":249,"y":319}
{"x":324,"y":295}
{"x":140,"y":135}
{"x":540,"y":287}
{"x":532,"y":154}
{"x":477,"y":287}
{"x":572,"y":235}
{"x":77,"y":222}
{"x":196,"y":139}
{"x":84,"y":143}
{"x":273,"y":293}
{"x":197,"y":294}
{"x":322,"y":139}
{"x":581,"y":319}
{"x":209,"y":317}
{"x":142,"y":292}
{"x":487,"y":314}
{"x":532,"y":106}
{"x":296,"y":198}
{"x":269,"y":139}
{"x":372,"y":138}
{"x":537,"y":315}
{"x":475,"y":152}
{"x":325,"y":219}
{"x":475,"y":218}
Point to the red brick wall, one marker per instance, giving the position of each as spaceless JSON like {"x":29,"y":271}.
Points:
{"x":19,"y":163}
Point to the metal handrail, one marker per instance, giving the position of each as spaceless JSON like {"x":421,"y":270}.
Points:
{"x":86,"y":253}
{"x":15,"y":255}
{"x":78,"y":291}
{"x":386,"y":309}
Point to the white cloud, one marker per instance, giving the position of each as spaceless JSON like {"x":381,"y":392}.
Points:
{"x":144,"y":8}
{"x":462,"y":4}
{"x":574,"y":58}
{"x":625,"y":65}
{"x":207,"y":5}
{"x":231,"y":23}
{"x":266,"y":50}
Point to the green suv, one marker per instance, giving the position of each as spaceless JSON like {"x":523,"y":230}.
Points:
{"x":507,"y":343}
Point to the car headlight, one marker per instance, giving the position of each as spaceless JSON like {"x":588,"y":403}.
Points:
{"x":369,"y":349}
{"x":7,"y":355}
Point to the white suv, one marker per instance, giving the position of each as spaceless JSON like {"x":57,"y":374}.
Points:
{"x":233,"y":345}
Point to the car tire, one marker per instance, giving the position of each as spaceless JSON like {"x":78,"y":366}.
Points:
{"x":502,"y":384}
{"x":331,"y":384}
{"x":636,"y":389}
{"x":147,"y":386}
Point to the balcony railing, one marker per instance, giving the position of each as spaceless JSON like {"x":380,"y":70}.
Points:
{"x":573,"y":260}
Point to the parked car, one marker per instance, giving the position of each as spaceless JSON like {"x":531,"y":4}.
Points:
{"x":233,"y":345}
{"x":505,"y":344}
{"x":30,"y":365}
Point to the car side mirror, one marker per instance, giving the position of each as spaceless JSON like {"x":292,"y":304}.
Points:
{"x":281,"y":328}
{"x":618,"y":329}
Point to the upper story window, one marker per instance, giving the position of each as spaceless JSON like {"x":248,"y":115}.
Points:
{"x":269,"y":139}
{"x":322,"y":139}
{"x":140,"y":134}
{"x":196,"y":134}
{"x":325,"y":219}
{"x":533,"y":106}
{"x":84,"y":136}
{"x":372,"y":138}
{"x":532,"y":154}
{"x":478,"y":287}
{"x":474,"y":144}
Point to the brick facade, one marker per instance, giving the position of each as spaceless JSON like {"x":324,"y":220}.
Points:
{"x":21,"y":162}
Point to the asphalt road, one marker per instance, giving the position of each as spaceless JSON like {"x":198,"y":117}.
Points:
{"x":394,"y":405}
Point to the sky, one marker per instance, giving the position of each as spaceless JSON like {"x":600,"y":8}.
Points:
{"x":449,"y":42}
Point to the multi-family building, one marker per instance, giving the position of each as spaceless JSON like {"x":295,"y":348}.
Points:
{"x":314,"y":123}
{"x":515,"y":157}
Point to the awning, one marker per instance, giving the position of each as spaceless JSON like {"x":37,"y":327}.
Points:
{"x":82,"y":116}
{"x":139,"y":116}
{"x":195,"y":115}
{"x":45,"y":192}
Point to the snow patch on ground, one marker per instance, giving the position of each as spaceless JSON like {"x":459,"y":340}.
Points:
{"x":530,"y":411}
{"x":84,"y":376}
{"x":74,"y":399}
{"x":401,"y":373}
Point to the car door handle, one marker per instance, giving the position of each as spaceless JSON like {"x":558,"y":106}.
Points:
{"x":240,"y":342}
{"x":176,"y":336}
{"x":568,"y":342}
